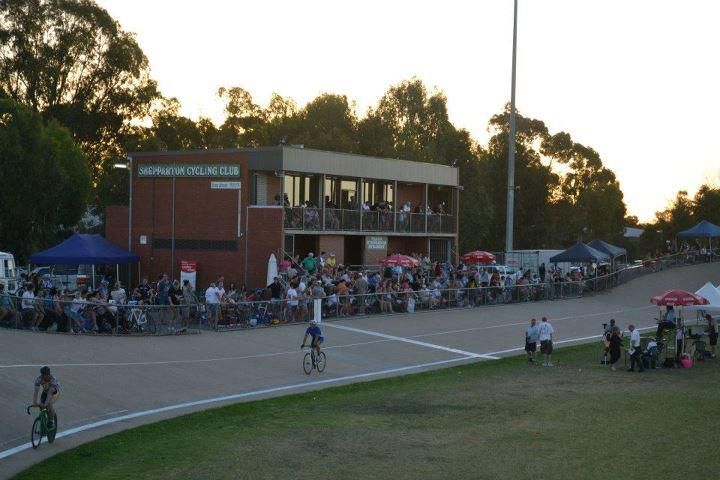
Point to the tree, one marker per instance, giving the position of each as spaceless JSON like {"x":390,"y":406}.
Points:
{"x":534,"y":181}
{"x":45,"y":180}
{"x":71,"y":61}
{"x":412,"y":124}
{"x":706,"y":205}
{"x":328,"y":123}
{"x":590,"y":190}
{"x":245,"y":123}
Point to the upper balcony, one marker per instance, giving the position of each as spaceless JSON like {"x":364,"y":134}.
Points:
{"x":314,"y":219}
{"x":341,"y":193}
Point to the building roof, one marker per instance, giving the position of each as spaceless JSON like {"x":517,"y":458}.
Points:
{"x":632,"y":232}
{"x":305,"y":160}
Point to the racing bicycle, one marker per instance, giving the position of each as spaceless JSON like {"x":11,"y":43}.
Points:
{"x":40,"y":427}
{"x":314,"y":361}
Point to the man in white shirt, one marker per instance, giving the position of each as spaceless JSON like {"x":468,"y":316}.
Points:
{"x":635,"y":350}
{"x":546,"y":346}
{"x":212,"y":302}
{"x":531,"y":337}
{"x":292,"y":303}
{"x":28,"y":307}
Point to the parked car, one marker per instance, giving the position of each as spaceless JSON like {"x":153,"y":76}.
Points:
{"x":8,"y":272}
{"x":68,"y":277}
{"x":503,"y":270}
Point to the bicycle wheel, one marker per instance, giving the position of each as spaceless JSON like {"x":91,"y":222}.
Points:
{"x":51,"y":433}
{"x":308,"y":364}
{"x":320,"y":362}
{"x":36,"y":434}
{"x":150,"y":325}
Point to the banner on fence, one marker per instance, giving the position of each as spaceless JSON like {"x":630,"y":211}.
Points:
{"x":188,"y":271}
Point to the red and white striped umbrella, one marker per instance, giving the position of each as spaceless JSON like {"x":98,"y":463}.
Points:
{"x":401,"y":260}
{"x":478,"y":256}
{"x":678,"y":298}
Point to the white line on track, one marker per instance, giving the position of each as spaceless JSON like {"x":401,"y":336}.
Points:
{"x":413,"y":342}
{"x":386,"y":338}
{"x":470,"y":356}
{"x":12,"y":451}
{"x":171,"y":362}
{"x":473,"y":329}
{"x":569,"y":340}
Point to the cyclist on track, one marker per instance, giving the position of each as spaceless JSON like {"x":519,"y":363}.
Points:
{"x":317,"y":338}
{"x":50,"y":393}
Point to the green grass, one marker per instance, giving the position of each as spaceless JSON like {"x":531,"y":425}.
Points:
{"x":490,"y":420}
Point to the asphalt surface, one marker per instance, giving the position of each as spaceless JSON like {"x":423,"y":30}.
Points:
{"x":110,"y":384}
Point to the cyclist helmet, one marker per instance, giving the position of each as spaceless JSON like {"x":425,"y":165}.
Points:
{"x":45,"y":371}
{"x":313,"y":322}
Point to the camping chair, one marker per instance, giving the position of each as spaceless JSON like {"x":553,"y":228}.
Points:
{"x":698,"y":350}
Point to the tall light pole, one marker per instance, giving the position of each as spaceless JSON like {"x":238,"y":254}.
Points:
{"x":511,"y":147}
{"x":129,"y":167}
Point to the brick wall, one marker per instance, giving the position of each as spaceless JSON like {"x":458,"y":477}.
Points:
{"x":116,"y":224}
{"x":265,"y":237}
{"x":414,"y":193}
{"x":407,"y":245}
{"x":335,"y":244}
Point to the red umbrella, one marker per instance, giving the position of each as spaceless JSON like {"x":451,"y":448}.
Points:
{"x":402,"y":260}
{"x":678,"y":297}
{"x":478,"y":256}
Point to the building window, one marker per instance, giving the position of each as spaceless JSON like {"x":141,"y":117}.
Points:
{"x":376,"y":191}
{"x":302,"y":188}
{"x":439,"y":250}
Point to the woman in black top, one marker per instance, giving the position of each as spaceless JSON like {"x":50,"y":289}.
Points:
{"x":615,"y":346}
{"x":175,"y":296}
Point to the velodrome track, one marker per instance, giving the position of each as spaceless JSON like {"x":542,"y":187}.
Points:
{"x":113,"y":383}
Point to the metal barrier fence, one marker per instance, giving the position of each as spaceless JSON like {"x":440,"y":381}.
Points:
{"x":66,"y":315}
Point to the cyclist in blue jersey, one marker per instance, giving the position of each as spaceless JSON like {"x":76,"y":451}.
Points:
{"x":317,"y":338}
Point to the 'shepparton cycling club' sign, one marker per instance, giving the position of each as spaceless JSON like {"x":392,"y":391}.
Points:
{"x":187,"y":170}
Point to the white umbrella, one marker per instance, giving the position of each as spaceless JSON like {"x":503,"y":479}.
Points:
{"x":272,"y":270}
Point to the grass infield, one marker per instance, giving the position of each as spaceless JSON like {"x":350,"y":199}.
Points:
{"x":487,"y":420}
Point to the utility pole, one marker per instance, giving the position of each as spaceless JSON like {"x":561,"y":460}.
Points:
{"x":511,"y":147}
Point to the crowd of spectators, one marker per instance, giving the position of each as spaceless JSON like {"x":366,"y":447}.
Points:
{"x":301,"y":285}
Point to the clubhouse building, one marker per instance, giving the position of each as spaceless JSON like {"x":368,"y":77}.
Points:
{"x":226,"y":211}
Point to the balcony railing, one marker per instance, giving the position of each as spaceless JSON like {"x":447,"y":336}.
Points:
{"x":337,"y":219}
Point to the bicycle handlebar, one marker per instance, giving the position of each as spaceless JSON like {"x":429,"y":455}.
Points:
{"x":28,"y":409}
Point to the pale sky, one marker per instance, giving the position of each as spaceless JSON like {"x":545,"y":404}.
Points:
{"x":635,"y":79}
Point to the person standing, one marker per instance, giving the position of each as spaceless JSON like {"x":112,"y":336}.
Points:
{"x":712,"y":333}
{"x":163,"y":298}
{"x":212,"y":303}
{"x":635,"y":350}
{"x":309,"y":263}
{"x":532,"y":334}
{"x":615,"y":347}
{"x":546,"y":346}
{"x":607,"y":332}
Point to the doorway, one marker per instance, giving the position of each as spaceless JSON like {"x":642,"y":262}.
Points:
{"x":353,"y":250}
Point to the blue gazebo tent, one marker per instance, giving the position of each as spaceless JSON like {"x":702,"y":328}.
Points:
{"x":612,"y":250}
{"x":84,"y":249}
{"x":580,"y":253}
{"x":704,"y":229}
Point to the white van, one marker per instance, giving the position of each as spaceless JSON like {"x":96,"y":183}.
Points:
{"x":8,"y":272}
{"x":503,"y":270}
{"x":69,"y":277}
